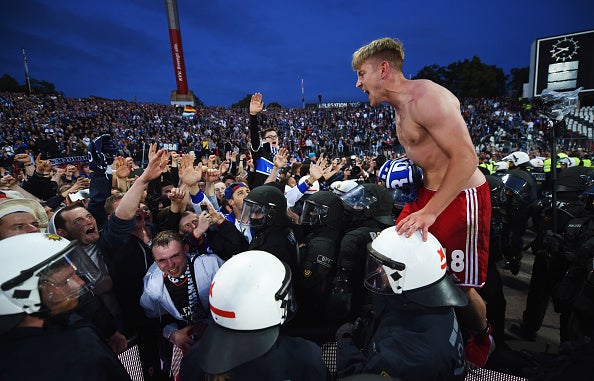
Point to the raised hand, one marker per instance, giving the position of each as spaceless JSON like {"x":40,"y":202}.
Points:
{"x":256,"y":104}
{"x":157,"y":163}
{"x":120,"y":167}
{"x":281,"y":158}
{"x":7,"y":181}
{"x":212,"y":175}
{"x":189,"y":174}
{"x":224,"y":167}
{"x":22,"y":158}
{"x":315,"y":172}
{"x":179,"y":198}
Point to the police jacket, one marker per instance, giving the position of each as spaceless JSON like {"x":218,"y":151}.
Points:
{"x":290,"y":358}
{"x":66,"y":348}
{"x":407,"y":342}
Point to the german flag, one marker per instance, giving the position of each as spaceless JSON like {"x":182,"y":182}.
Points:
{"x":189,"y":112}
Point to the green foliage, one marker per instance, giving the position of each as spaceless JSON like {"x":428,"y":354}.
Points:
{"x":245,"y":103}
{"x":473,"y":78}
{"x":9,"y":84}
{"x":517,"y":78}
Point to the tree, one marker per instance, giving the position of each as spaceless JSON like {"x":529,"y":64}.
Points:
{"x":9,"y":84}
{"x":245,"y":103}
{"x":468,"y":78}
{"x":435,"y":73}
{"x":517,"y":78}
{"x":474,"y":79}
{"x":42,"y":87}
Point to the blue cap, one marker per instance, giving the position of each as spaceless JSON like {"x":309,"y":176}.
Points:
{"x":232,"y":188}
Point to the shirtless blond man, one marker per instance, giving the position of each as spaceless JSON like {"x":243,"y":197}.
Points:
{"x":454,"y":202}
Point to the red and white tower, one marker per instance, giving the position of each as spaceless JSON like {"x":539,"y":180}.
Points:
{"x":181,"y":96}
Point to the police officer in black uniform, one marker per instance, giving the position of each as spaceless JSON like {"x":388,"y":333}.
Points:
{"x":413,"y":333}
{"x":520,"y":187}
{"x":368,"y":210}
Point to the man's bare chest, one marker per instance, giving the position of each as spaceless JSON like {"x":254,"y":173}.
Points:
{"x":409,"y":133}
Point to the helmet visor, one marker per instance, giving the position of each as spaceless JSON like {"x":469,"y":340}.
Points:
{"x":286,"y":296}
{"x":254,"y":214}
{"x":402,"y":196}
{"x":516,"y":184}
{"x":62,"y":278}
{"x":357,"y":198}
{"x":382,"y":274}
{"x":313,"y":213}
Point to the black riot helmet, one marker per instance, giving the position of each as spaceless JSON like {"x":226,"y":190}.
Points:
{"x":264,"y":206}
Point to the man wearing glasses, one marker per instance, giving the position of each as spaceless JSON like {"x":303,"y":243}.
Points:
{"x":263,"y":150}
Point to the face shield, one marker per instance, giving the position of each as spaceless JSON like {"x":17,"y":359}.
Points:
{"x":286,"y":297}
{"x":382,"y":274}
{"x":517,"y":187}
{"x":256,"y":215}
{"x":358,"y":199}
{"x":313,"y":213}
{"x":60,"y":279}
{"x":402,"y":196}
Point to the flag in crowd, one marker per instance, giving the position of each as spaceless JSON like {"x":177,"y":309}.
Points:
{"x":189,"y":112}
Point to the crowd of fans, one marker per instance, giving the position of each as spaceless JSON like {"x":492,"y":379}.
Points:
{"x":50,"y":147}
{"x":60,"y":127}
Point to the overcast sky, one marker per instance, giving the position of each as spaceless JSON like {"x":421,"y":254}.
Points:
{"x":120,"y":48}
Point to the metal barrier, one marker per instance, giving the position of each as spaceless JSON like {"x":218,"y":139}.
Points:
{"x":131,"y":360}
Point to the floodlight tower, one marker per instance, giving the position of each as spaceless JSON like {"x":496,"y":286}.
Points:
{"x":181,"y":96}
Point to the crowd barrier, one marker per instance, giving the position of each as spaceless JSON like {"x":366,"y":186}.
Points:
{"x":131,"y":360}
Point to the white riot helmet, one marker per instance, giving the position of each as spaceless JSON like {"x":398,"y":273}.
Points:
{"x":353,"y":194}
{"x":568,"y":161}
{"x":517,"y":158}
{"x":252,"y":290}
{"x":340,"y":188}
{"x":37,"y":261}
{"x":537,"y":162}
{"x":409,"y":267}
{"x":501,"y":166}
{"x":250,"y":297}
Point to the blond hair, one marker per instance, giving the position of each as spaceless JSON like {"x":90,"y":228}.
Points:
{"x":384,"y":49}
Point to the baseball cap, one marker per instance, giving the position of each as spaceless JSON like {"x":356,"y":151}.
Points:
{"x":232,"y":188}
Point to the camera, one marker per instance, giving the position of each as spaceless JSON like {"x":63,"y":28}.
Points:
{"x":204,"y":207}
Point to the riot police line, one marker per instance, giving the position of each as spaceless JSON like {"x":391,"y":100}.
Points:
{"x":563,"y":230}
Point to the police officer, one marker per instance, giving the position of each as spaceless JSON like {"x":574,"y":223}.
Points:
{"x":413,"y":333}
{"x":41,"y":279}
{"x":520,"y":187}
{"x":368,"y":210}
{"x":250,"y":298}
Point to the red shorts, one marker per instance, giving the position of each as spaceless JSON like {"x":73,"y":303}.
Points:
{"x":463,"y":230}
